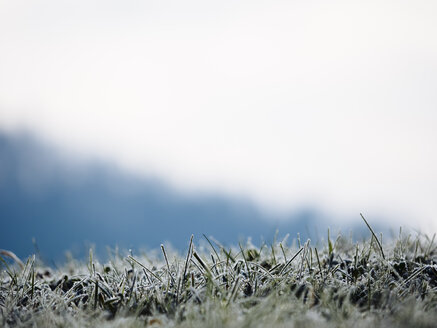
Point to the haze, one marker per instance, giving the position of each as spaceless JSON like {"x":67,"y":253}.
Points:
{"x":289,"y":103}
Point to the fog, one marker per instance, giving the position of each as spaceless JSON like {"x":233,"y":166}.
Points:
{"x":288,"y":103}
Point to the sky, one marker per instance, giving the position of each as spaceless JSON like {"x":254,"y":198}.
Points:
{"x":288,"y":103}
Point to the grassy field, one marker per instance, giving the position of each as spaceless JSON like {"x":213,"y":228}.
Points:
{"x":334,"y":283}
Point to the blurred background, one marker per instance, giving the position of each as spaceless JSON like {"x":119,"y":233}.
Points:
{"x":133,"y":123}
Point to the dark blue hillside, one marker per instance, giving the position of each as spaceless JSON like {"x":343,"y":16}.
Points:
{"x":67,"y":206}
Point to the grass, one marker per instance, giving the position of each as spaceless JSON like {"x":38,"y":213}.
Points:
{"x":338,"y":283}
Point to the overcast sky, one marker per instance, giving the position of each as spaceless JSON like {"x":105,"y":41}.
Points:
{"x":290,"y":103}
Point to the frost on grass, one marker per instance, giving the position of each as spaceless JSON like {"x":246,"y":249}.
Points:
{"x":331,"y":284}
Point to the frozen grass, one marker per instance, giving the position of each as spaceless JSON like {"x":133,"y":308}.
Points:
{"x":338,"y":283}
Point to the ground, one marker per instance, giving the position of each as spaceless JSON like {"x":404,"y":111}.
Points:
{"x":331,"y":283}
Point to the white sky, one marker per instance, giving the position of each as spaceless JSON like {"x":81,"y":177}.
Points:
{"x":325,"y":103}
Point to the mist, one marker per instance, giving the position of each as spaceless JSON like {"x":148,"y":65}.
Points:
{"x":288,"y":104}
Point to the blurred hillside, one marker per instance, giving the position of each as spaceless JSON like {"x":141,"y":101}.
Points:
{"x":66,"y":204}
